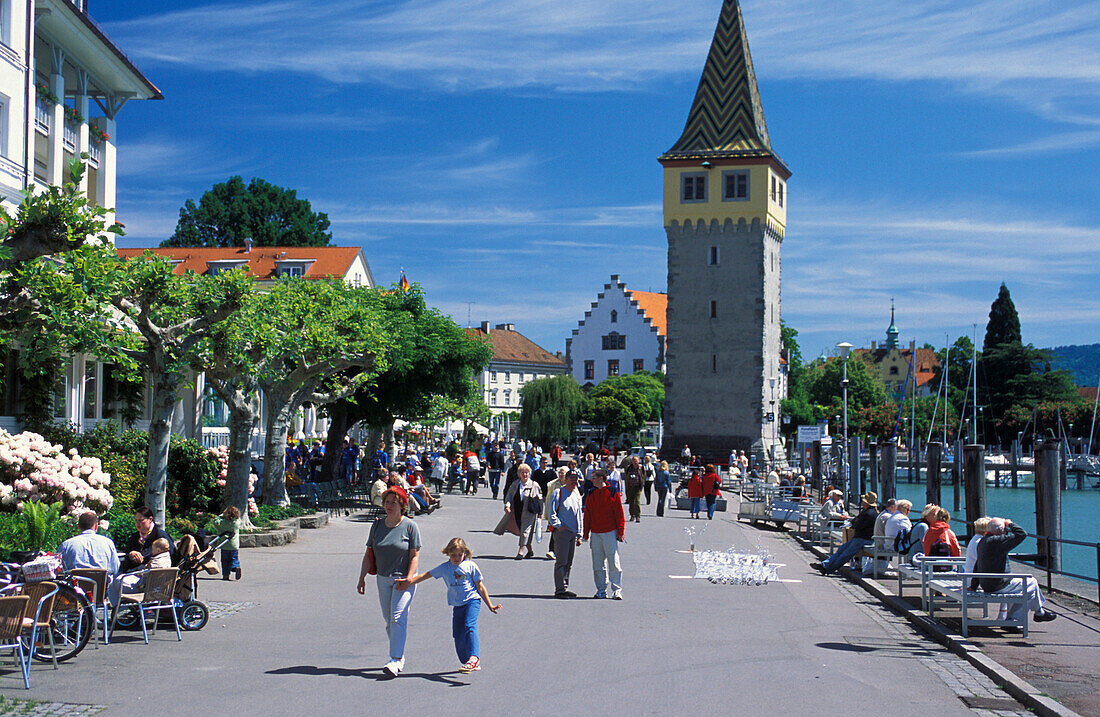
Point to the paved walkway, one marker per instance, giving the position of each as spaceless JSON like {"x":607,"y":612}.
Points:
{"x":293,"y":638}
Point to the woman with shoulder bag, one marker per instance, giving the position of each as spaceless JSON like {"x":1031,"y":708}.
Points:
{"x":663,"y":484}
{"x":712,"y":489}
{"x":393,"y":552}
{"x":523,"y":502}
{"x":650,"y":471}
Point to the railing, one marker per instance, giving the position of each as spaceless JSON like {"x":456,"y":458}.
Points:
{"x":12,"y":169}
{"x":69,"y":136}
{"x":95,"y":153}
{"x":214,"y":436}
{"x":43,"y":116}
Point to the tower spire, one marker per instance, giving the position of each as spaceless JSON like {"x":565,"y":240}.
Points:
{"x":892,"y":332}
{"x":727,"y":117}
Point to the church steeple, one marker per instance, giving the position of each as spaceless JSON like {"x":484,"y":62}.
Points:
{"x":892,"y":332}
{"x":726,"y":118}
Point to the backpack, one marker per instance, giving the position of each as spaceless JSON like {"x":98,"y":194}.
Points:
{"x":903,"y":541}
{"x":940,"y":549}
{"x":472,"y":463}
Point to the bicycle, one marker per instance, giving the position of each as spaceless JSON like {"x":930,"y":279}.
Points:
{"x":71,"y":621}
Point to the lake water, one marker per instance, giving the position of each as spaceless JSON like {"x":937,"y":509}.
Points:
{"x":1080,"y":517}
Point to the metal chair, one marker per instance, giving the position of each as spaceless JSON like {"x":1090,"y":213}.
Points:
{"x":12,"y":622}
{"x":39,"y":611}
{"x":96,"y":579}
{"x":159,"y":595}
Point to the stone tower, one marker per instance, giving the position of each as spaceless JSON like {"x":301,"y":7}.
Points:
{"x":725,"y":211}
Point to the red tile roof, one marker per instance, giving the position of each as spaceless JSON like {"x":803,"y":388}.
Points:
{"x":653,"y":305}
{"x":330,"y":261}
{"x":514,"y":347}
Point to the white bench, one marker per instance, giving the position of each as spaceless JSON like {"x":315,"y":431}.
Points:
{"x":954,"y":588}
{"x":881,"y":548}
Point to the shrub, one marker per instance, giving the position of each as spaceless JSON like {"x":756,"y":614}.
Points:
{"x":127,"y":484}
{"x":178,"y":527}
{"x":121,"y":525}
{"x":192,"y":478}
{"x":32,"y":468}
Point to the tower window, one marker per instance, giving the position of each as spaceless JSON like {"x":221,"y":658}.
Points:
{"x":712,"y":256}
{"x":735,"y":186}
{"x":714,"y":363}
{"x":589,"y":370}
{"x":614,"y":317}
{"x":774,"y":183}
{"x":781,"y":186}
{"x":714,"y":309}
{"x":693,"y":188}
{"x":613,"y":367}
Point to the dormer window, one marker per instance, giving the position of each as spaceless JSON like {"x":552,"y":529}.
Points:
{"x":292,"y":267}
{"x":220,"y":266}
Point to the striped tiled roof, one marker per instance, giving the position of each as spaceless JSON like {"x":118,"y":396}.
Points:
{"x":326,"y":262}
{"x":726,"y":118}
{"x":653,"y":305}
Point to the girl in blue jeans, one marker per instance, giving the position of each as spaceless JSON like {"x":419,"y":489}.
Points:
{"x":465,"y":591}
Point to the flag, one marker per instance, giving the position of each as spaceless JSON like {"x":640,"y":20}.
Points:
{"x":404,"y":283}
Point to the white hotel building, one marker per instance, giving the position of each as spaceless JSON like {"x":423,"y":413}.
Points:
{"x":62,"y":84}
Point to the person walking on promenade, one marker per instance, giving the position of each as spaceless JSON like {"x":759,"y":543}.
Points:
{"x":605,"y":527}
{"x":496,"y":467}
{"x":465,"y":591}
{"x":565,"y":510}
{"x":393,"y":552}
{"x":522,"y":510}
{"x":634,"y":479}
{"x":663,"y":485}
{"x":712,"y":489}
{"x":695,"y":493}
{"x":650,"y":472}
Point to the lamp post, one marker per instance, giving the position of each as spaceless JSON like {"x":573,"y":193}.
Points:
{"x":845,"y":349}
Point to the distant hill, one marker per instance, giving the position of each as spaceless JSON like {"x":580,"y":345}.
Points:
{"x":1083,"y":361}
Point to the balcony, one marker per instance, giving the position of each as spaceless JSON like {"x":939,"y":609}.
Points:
{"x":95,"y":153}
{"x":43,"y":116}
{"x":69,"y":136}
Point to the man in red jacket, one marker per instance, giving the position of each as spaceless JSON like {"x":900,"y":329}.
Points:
{"x":605,"y":528}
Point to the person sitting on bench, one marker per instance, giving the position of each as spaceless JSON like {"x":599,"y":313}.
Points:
{"x":1001,"y":536}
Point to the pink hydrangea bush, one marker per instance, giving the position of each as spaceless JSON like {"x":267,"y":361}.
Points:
{"x":33,"y":468}
{"x":221,"y":455}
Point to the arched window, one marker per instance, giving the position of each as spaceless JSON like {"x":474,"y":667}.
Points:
{"x":614,"y":317}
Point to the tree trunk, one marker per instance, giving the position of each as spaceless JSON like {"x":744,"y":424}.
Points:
{"x":243,"y":417}
{"x":160,"y":433}
{"x":278,"y":425}
{"x":334,"y":442}
{"x":243,"y":401}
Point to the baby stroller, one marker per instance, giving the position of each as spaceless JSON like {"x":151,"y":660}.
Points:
{"x":194,"y":555}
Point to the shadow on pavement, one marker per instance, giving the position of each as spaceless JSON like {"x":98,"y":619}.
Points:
{"x":528,"y":597}
{"x":375,"y":674}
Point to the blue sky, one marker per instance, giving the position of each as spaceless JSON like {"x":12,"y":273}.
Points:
{"x":504,"y":151}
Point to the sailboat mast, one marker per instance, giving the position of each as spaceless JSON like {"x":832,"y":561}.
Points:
{"x":1092,"y":426}
{"x":946,"y":384}
{"x":974,"y":373}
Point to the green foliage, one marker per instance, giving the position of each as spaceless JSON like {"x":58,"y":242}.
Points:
{"x":875,"y":422}
{"x":863,"y":390}
{"x":43,"y":526}
{"x":797,"y":405}
{"x":121,"y":522}
{"x":192,"y":478}
{"x":1004,"y":323}
{"x":122,"y":452}
{"x":1082,"y":361}
{"x":651,"y":385}
{"x":178,"y":527}
{"x":127,"y":483}
{"x":619,"y":410}
{"x":552,"y":407}
{"x":231,"y":212}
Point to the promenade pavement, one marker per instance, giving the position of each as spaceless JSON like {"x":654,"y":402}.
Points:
{"x":295,"y":638}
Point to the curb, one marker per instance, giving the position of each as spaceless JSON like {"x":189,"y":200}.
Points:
{"x":1020,"y":689}
{"x":286,"y":534}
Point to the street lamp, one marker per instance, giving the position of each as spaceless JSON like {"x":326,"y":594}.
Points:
{"x":845,"y":349}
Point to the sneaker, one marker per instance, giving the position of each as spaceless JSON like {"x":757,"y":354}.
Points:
{"x":818,"y":566}
{"x":1045,"y":616}
{"x":391,"y":668}
{"x":471,"y":665}
{"x":569,"y":594}
{"x":617,"y":595}
{"x":550,"y":555}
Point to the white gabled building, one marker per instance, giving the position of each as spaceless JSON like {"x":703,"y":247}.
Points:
{"x":516,"y":360}
{"x":623,"y":332}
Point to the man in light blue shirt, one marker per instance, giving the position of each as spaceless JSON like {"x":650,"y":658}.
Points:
{"x":565,"y":511}
{"x":89,"y":549}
